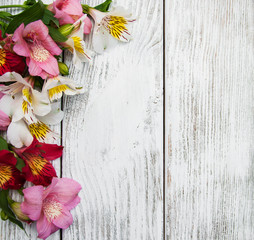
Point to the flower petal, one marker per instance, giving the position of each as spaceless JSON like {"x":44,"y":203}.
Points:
{"x":64,"y":220}
{"x":10,"y":176}
{"x":7,"y":157}
{"x":33,"y":67}
{"x":73,"y":203}
{"x":51,"y":46}
{"x":102,"y":40}
{"x":54,"y":117}
{"x":4,"y":120}
{"x":32,"y":204}
{"x":45,"y":228}
{"x":40,"y":103}
{"x":18,"y":134}
{"x":65,"y":189}
{"x":38,"y":170}
{"x":50,"y":66}
{"x":20,"y":47}
{"x":87,"y":25}
{"x":37,"y":27}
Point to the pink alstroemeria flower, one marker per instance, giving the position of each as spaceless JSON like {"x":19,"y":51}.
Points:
{"x":68,"y":12}
{"x":35,"y":43}
{"x":51,"y":207}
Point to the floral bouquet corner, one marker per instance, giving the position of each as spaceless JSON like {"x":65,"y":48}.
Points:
{"x":33,"y":79}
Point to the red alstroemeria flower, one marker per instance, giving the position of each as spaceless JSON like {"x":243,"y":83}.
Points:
{"x":38,"y":169}
{"x":10,"y":62}
{"x":10,"y":176}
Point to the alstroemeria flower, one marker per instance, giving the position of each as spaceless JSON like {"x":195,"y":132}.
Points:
{"x":51,"y":207}
{"x":10,"y":176}
{"x":35,"y":43}
{"x":10,"y":62}
{"x":76,"y":44}
{"x":66,"y":11}
{"x":28,"y":110}
{"x":58,"y":85}
{"x":69,"y":11}
{"x":38,"y":169}
{"x":110,"y":26}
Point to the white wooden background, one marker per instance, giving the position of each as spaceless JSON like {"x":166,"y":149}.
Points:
{"x":162,"y":140}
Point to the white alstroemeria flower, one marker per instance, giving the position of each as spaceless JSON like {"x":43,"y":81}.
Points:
{"x":56,"y":86}
{"x":109,"y":27}
{"x":76,"y":44}
{"x":37,"y":101}
{"x":25,"y":107}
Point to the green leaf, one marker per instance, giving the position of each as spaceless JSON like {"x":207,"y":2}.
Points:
{"x":3,"y":27}
{"x":31,"y":14}
{"x":56,"y":35}
{"x":29,"y":2}
{"x":3,"y":144}
{"x":5,"y":207}
{"x":20,"y":164}
{"x":5,"y":15}
{"x":48,"y":17}
{"x":104,"y":6}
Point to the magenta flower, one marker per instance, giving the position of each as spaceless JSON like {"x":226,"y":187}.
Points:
{"x":66,"y":11}
{"x":35,"y":43}
{"x":51,"y":207}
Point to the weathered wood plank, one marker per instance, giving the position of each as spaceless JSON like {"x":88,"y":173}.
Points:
{"x":113,"y":136}
{"x":209,"y":119}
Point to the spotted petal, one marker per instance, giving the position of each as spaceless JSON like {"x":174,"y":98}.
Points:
{"x":10,"y":176}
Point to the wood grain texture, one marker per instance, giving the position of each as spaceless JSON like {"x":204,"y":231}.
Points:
{"x":113,"y":135}
{"x":9,"y":231}
{"x":209,"y":119}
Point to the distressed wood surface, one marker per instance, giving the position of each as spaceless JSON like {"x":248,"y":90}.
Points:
{"x":113,"y":134}
{"x":209,"y":119}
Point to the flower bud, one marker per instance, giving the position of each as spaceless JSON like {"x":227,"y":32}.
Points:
{"x":4,"y":216}
{"x":64,"y":70}
{"x":66,"y":29}
{"x":15,"y":206}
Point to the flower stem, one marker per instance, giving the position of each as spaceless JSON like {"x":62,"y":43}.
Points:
{"x":85,"y":8}
{"x":14,"y":6}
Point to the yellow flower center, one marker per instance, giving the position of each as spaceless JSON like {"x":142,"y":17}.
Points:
{"x":36,"y":163}
{"x":5,"y":174}
{"x":53,"y":92}
{"x":2,"y":57}
{"x":78,"y":44}
{"x":115,"y":25}
{"x":39,"y":130}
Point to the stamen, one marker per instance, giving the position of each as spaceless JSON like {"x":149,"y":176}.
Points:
{"x":39,"y":53}
{"x":52,"y":209}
